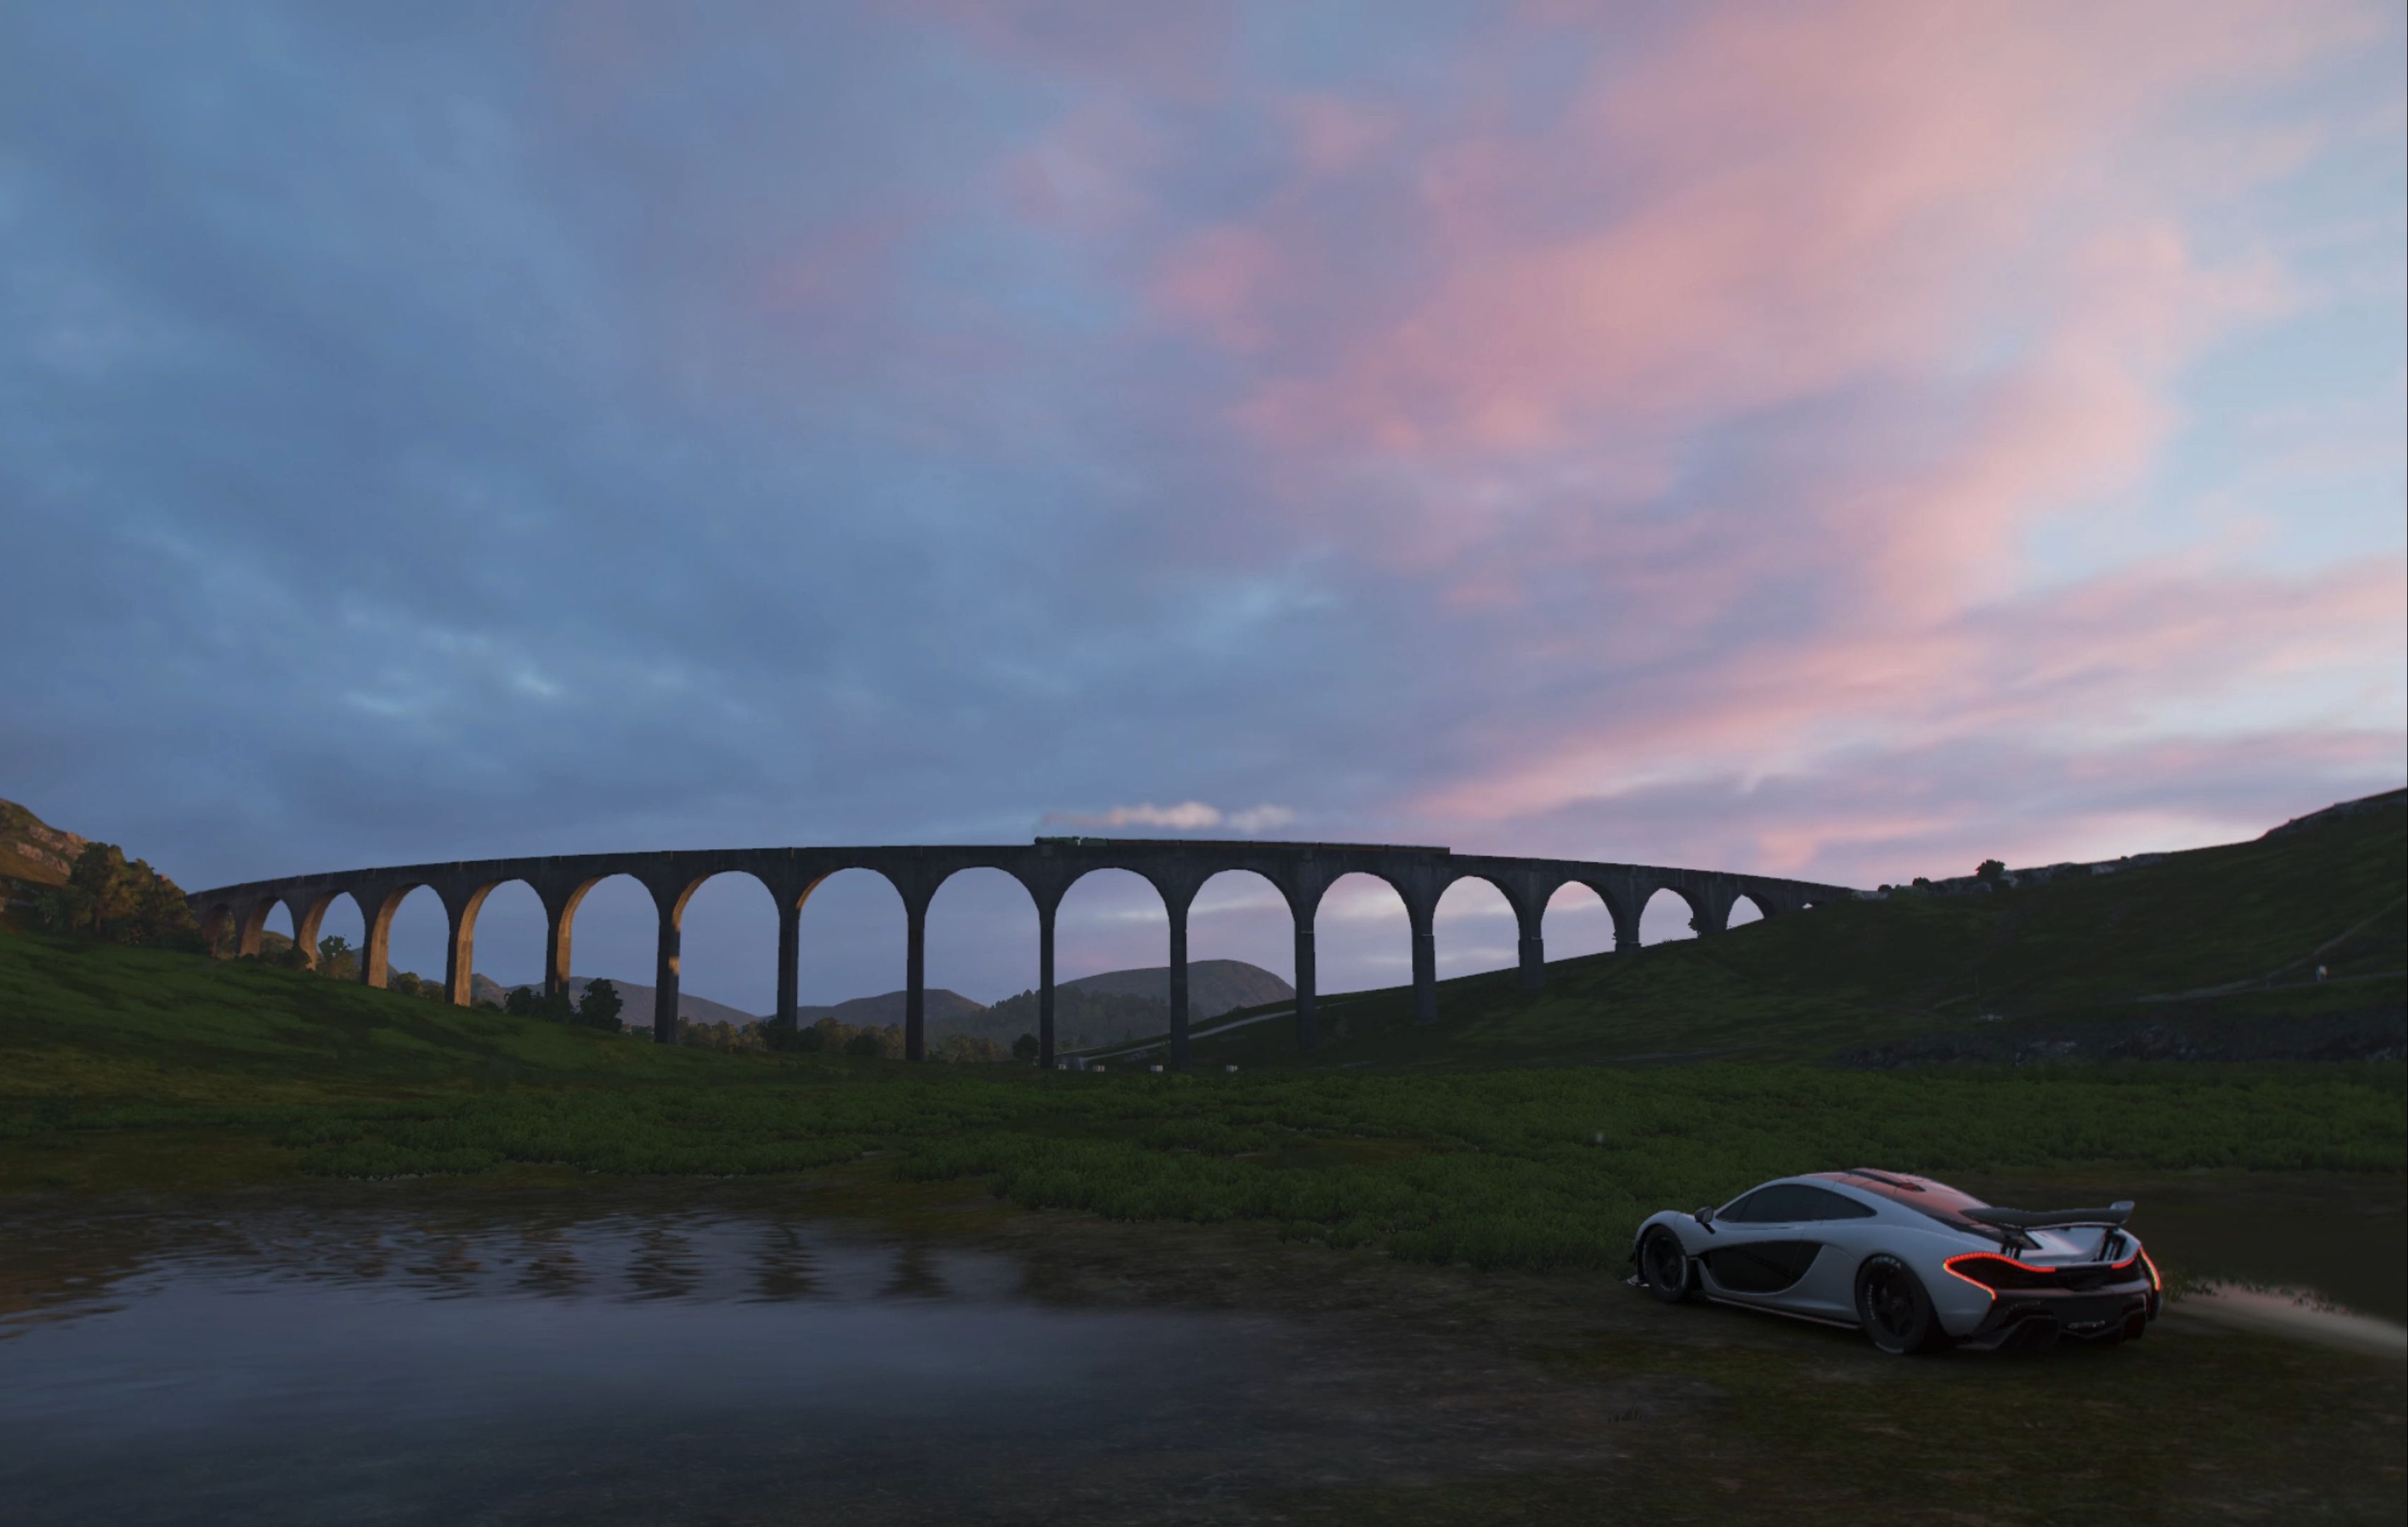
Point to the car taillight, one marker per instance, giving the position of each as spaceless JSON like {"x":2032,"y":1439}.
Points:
{"x":1996,"y":1274}
{"x":2156,"y":1284}
{"x":1991,"y":1273}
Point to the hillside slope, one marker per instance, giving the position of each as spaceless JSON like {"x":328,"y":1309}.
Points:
{"x":98,"y":1022}
{"x":946,"y":1011}
{"x":2212,"y":951}
{"x":1213,"y":986}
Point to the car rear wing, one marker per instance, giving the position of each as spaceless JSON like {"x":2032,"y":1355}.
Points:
{"x":2111,"y":1216}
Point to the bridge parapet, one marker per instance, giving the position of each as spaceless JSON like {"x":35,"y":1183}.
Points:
{"x":1046,"y":868}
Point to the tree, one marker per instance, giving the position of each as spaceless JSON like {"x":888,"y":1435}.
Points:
{"x":1025,"y":1048}
{"x":404,"y":982}
{"x":61,"y":909}
{"x":334,"y":958}
{"x":166,"y":917}
{"x":532,"y":1002}
{"x":109,"y":892}
{"x":599,"y":1007}
{"x":1992,"y":871}
{"x":864,"y":1043}
{"x":105,"y":898}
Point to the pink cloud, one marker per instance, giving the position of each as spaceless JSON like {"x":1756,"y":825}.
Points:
{"x":1334,"y":134}
{"x":1176,"y":50}
{"x":1089,"y":173}
{"x":1212,"y":280}
{"x":2080,"y":658}
{"x":840,"y":269}
{"x":1705,"y":420}
{"x":1785,"y":201}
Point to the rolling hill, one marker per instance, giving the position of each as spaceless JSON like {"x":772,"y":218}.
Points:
{"x":1213,"y":986}
{"x":2206,"y":954}
{"x":946,"y":1012}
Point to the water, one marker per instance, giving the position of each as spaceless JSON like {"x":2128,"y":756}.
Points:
{"x":434,"y":1366}
{"x":697,"y":1353}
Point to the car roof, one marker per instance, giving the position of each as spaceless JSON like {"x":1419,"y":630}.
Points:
{"x":1923,"y":1196}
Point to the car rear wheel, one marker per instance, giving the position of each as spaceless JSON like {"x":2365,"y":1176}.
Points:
{"x":1893,"y":1309}
{"x":1665,"y":1265}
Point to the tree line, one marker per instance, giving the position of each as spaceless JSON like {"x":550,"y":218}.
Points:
{"x":829,"y":1036}
{"x":1082,"y":1016}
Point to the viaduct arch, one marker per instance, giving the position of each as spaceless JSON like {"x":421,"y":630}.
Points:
{"x":1046,"y":868}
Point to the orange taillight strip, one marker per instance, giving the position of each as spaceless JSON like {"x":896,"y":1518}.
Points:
{"x":1950,"y":1266}
{"x":2042,"y":1276}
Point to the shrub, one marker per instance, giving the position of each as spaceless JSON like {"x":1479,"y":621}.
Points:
{"x":599,"y":1007}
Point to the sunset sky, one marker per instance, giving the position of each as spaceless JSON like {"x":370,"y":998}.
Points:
{"x":1835,"y":440}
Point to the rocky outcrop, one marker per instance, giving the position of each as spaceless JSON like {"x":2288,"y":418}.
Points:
{"x":34,"y":851}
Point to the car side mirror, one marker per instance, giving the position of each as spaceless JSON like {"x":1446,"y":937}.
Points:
{"x":1704,"y":1216}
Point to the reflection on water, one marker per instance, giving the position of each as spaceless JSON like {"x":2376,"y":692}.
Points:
{"x":402,"y":1367}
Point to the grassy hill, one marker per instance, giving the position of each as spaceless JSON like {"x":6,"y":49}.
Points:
{"x":138,"y":1067}
{"x":2208,"y":952}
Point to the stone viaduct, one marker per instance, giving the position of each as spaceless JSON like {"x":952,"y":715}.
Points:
{"x":1046,"y":868}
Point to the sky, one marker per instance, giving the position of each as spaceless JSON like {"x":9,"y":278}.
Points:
{"x":1846,"y":441}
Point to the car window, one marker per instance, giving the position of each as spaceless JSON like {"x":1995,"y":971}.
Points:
{"x":1791,"y":1203}
{"x":1737,"y":1213}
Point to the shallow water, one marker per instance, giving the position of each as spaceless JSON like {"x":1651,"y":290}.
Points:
{"x":381,"y":1367}
{"x":701,"y":1353}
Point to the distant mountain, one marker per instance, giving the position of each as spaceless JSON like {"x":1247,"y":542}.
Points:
{"x":946,"y":1011}
{"x":1102,"y":1005}
{"x":1213,"y":986}
{"x":1124,"y":1004}
{"x":637,"y":1011}
{"x":1110,"y":1000}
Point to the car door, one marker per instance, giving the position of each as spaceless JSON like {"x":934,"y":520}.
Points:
{"x":1781,"y":1251}
{"x":1757,"y":1253}
{"x":1847,"y":1231}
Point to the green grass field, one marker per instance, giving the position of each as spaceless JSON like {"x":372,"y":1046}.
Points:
{"x":131,"y":1068}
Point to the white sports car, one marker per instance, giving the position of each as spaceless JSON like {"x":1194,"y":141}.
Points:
{"x":1913,"y":1263}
